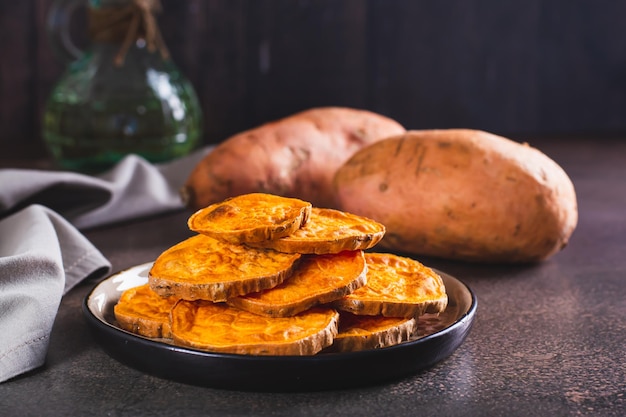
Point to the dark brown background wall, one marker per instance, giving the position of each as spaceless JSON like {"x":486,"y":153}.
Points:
{"x":518,"y":68}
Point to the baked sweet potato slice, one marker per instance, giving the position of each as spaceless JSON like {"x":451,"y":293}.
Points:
{"x":371,"y":332}
{"x":205,"y":268}
{"x":396,"y":287}
{"x":318,"y":279}
{"x":140,"y":310}
{"x":216,"y":327}
{"x":254,"y":217}
{"x":329,"y":231}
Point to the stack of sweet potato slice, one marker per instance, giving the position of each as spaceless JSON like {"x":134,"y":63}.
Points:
{"x":269,"y":275}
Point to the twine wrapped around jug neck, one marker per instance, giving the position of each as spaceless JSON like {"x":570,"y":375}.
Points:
{"x":125,"y":24}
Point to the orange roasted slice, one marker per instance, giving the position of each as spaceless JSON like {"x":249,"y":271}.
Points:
{"x":319,"y":279}
{"x":205,"y":268}
{"x":329,"y":231}
{"x":140,"y":310}
{"x":216,"y":327}
{"x":251,"y":218}
{"x":396,"y":287}
{"x":371,"y":332}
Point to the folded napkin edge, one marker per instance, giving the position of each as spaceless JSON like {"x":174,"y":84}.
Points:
{"x":12,"y":362}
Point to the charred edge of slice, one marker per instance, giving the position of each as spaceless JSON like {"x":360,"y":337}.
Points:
{"x":291,"y":309}
{"x":219,"y":291}
{"x":391,"y":308}
{"x":307,"y":346}
{"x":321,"y":247}
{"x":375,"y":340}
{"x":144,"y":326}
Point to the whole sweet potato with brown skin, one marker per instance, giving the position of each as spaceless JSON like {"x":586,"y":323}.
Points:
{"x":294,"y":157}
{"x":461,"y":194}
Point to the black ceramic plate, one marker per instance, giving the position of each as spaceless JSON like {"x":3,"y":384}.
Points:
{"x":439,"y":337}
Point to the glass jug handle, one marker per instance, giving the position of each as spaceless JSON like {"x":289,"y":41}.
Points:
{"x":58,"y":28}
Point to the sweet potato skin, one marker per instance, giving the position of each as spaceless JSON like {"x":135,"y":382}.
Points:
{"x":296,"y":156}
{"x":461,"y":194}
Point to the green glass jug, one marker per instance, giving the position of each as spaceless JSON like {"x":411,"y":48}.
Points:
{"x":121,"y":95}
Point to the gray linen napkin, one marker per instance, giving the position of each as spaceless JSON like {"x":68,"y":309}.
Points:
{"x":42,"y":252}
{"x":41,"y":257}
{"x":132,"y":189}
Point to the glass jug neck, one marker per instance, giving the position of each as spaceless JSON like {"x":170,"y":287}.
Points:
{"x":128,"y":23}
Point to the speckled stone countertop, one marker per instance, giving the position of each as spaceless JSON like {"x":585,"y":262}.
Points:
{"x":548,"y":339}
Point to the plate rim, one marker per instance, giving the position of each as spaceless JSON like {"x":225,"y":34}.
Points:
{"x":96,"y":323}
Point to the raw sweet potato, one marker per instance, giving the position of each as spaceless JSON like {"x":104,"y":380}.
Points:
{"x":461,"y":194}
{"x":294,"y":157}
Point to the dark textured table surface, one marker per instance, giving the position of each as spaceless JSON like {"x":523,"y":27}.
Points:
{"x":549,"y":339}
